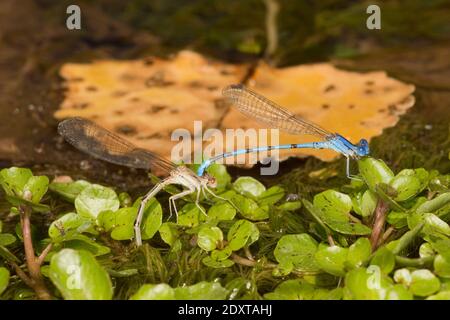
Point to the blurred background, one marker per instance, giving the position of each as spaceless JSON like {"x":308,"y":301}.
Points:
{"x":413,"y":46}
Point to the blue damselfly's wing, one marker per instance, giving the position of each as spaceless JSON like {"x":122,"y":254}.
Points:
{"x":269,"y":113}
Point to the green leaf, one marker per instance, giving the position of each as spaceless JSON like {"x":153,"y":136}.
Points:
{"x":444,"y":295}
{"x":367,"y":284}
{"x":69,"y":223}
{"x":14,"y":179}
{"x":368,"y":203}
{"x":296,"y":251}
{"x":405,"y":240}
{"x":21,"y":187}
{"x":358,"y":252}
{"x":125,"y":199}
{"x":441,"y":266}
{"x":221,"y":211}
{"x":434,"y":204}
{"x":424,"y":283}
{"x":190,"y":216}
{"x":152,"y":219}
{"x":334,"y":210}
{"x":331,"y":259}
{"x":399,"y":292}
{"x":121,"y":222}
{"x":123,"y":273}
{"x":271,"y":196}
{"x":95,"y":199}
{"x":82,"y":242}
{"x":433,"y":225}
{"x":69,"y":190}
{"x":202,"y":291}
{"x":250,"y":209}
{"x":409,"y":182}
{"x":37,"y":186}
{"x":426,"y":250}
{"x":384,"y":259}
{"x":6,"y":239}
{"x":249,"y":187}
{"x":7,"y":255}
{"x":78,"y":276}
{"x":4,"y":279}
{"x":403,"y":276}
{"x":290,"y":206}
{"x":218,"y":264}
{"x":374,"y":172}
{"x":242,"y":233}
{"x":333,"y":199}
{"x":222,"y":254}
{"x":169,"y":233}
{"x":442,"y":247}
{"x":17,"y":201}
{"x":299,"y":290}
{"x":219,"y":171}
{"x":160,"y":291}
{"x":398,"y":219}
{"x":209,"y":237}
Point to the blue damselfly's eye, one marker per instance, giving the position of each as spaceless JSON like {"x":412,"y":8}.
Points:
{"x":363,"y":148}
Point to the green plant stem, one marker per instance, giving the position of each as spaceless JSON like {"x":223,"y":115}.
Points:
{"x":248,"y":254}
{"x":387,"y":234}
{"x":407,"y":238}
{"x":22,"y":275}
{"x":36,"y":281}
{"x":417,"y":263}
{"x":378,"y":225}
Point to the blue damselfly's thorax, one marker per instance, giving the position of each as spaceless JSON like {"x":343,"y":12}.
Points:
{"x":342,"y":145}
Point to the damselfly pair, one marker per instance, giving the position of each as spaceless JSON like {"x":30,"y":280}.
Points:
{"x":103,"y":144}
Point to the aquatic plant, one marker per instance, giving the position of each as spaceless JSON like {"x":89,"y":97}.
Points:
{"x":384,"y":237}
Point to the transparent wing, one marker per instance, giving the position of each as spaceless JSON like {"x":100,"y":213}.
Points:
{"x":269,"y":113}
{"x":100,"y":143}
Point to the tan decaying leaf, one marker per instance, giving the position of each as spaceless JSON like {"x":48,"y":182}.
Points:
{"x":145,"y":100}
{"x":355,"y":105}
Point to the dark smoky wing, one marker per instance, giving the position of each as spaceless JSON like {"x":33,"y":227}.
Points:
{"x":100,"y":143}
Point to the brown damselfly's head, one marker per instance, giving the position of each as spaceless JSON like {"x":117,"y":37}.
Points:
{"x":210,"y":180}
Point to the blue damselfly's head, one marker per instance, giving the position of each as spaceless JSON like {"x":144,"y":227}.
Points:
{"x":362,"y":148}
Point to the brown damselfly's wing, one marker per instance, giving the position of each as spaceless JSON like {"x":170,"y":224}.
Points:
{"x":100,"y":143}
